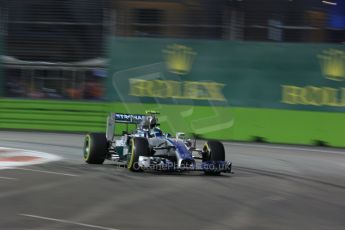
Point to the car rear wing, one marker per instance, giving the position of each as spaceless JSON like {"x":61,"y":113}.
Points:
{"x":123,"y":118}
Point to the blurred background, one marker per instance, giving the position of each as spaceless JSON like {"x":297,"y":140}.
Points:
{"x":266,"y":71}
{"x":237,"y":69}
{"x":57,"y":49}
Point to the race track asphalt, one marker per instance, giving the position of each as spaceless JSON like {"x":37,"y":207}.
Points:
{"x":273,"y":187}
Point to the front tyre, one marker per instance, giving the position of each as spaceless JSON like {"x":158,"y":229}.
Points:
{"x":213,"y":152}
{"x":139,"y":146}
{"x":95,"y":148}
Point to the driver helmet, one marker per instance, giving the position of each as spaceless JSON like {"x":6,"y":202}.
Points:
{"x":153,"y":122}
{"x":145,"y":124}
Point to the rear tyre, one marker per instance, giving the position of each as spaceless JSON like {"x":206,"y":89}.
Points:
{"x":213,"y":152}
{"x":139,"y":146}
{"x":95,"y":148}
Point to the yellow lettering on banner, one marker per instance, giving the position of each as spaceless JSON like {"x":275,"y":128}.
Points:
{"x":317,"y":96}
{"x":176,"y":89}
{"x":290,"y":94}
{"x":312,"y":95}
{"x":166,"y":89}
{"x":158,"y":88}
{"x":330,"y":96}
{"x":302,"y":95}
{"x":214,"y":91}
{"x":149,"y":89}
{"x":135,"y":87}
{"x":342,"y":100}
{"x":306,"y":95}
{"x":139,"y":87}
{"x":191,"y":90}
{"x":203,"y":91}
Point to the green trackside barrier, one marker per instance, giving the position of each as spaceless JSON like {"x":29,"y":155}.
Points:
{"x":52,"y":115}
{"x":297,"y":127}
{"x":245,"y":124}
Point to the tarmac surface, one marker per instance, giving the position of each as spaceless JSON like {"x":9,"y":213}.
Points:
{"x":273,"y":187}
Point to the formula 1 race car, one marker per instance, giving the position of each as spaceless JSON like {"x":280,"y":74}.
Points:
{"x":148,"y":148}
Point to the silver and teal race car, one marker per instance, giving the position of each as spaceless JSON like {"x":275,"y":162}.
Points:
{"x":147,"y":147}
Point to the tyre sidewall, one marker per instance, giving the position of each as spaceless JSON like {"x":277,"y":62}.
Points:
{"x":139,"y":146}
{"x":95,"y":148}
{"x":215,"y":152}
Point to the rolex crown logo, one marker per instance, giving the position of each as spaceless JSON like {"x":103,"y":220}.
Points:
{"x":179,"y":58}
{"x":333,"y":64}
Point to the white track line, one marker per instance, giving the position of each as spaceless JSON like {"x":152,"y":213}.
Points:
{"x":7,"y":178}
{"x":287,"y":148}
{"x":67,"y":222}
{"x":48,"y":172}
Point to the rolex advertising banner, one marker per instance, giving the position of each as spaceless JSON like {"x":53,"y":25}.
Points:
{"x":227,"y":73}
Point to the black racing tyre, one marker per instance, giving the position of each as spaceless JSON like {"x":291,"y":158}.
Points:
{"x":95,"y":148}
{"x":139,"y":146}
{"x":213,"y":151}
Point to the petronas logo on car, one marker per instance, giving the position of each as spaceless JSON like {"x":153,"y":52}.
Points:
{"x":179,"y":58}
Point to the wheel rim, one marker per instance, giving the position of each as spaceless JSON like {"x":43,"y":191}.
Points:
{"x":131,"y":157}
{"x":207,"y":150}
{"x":87,"y":148}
